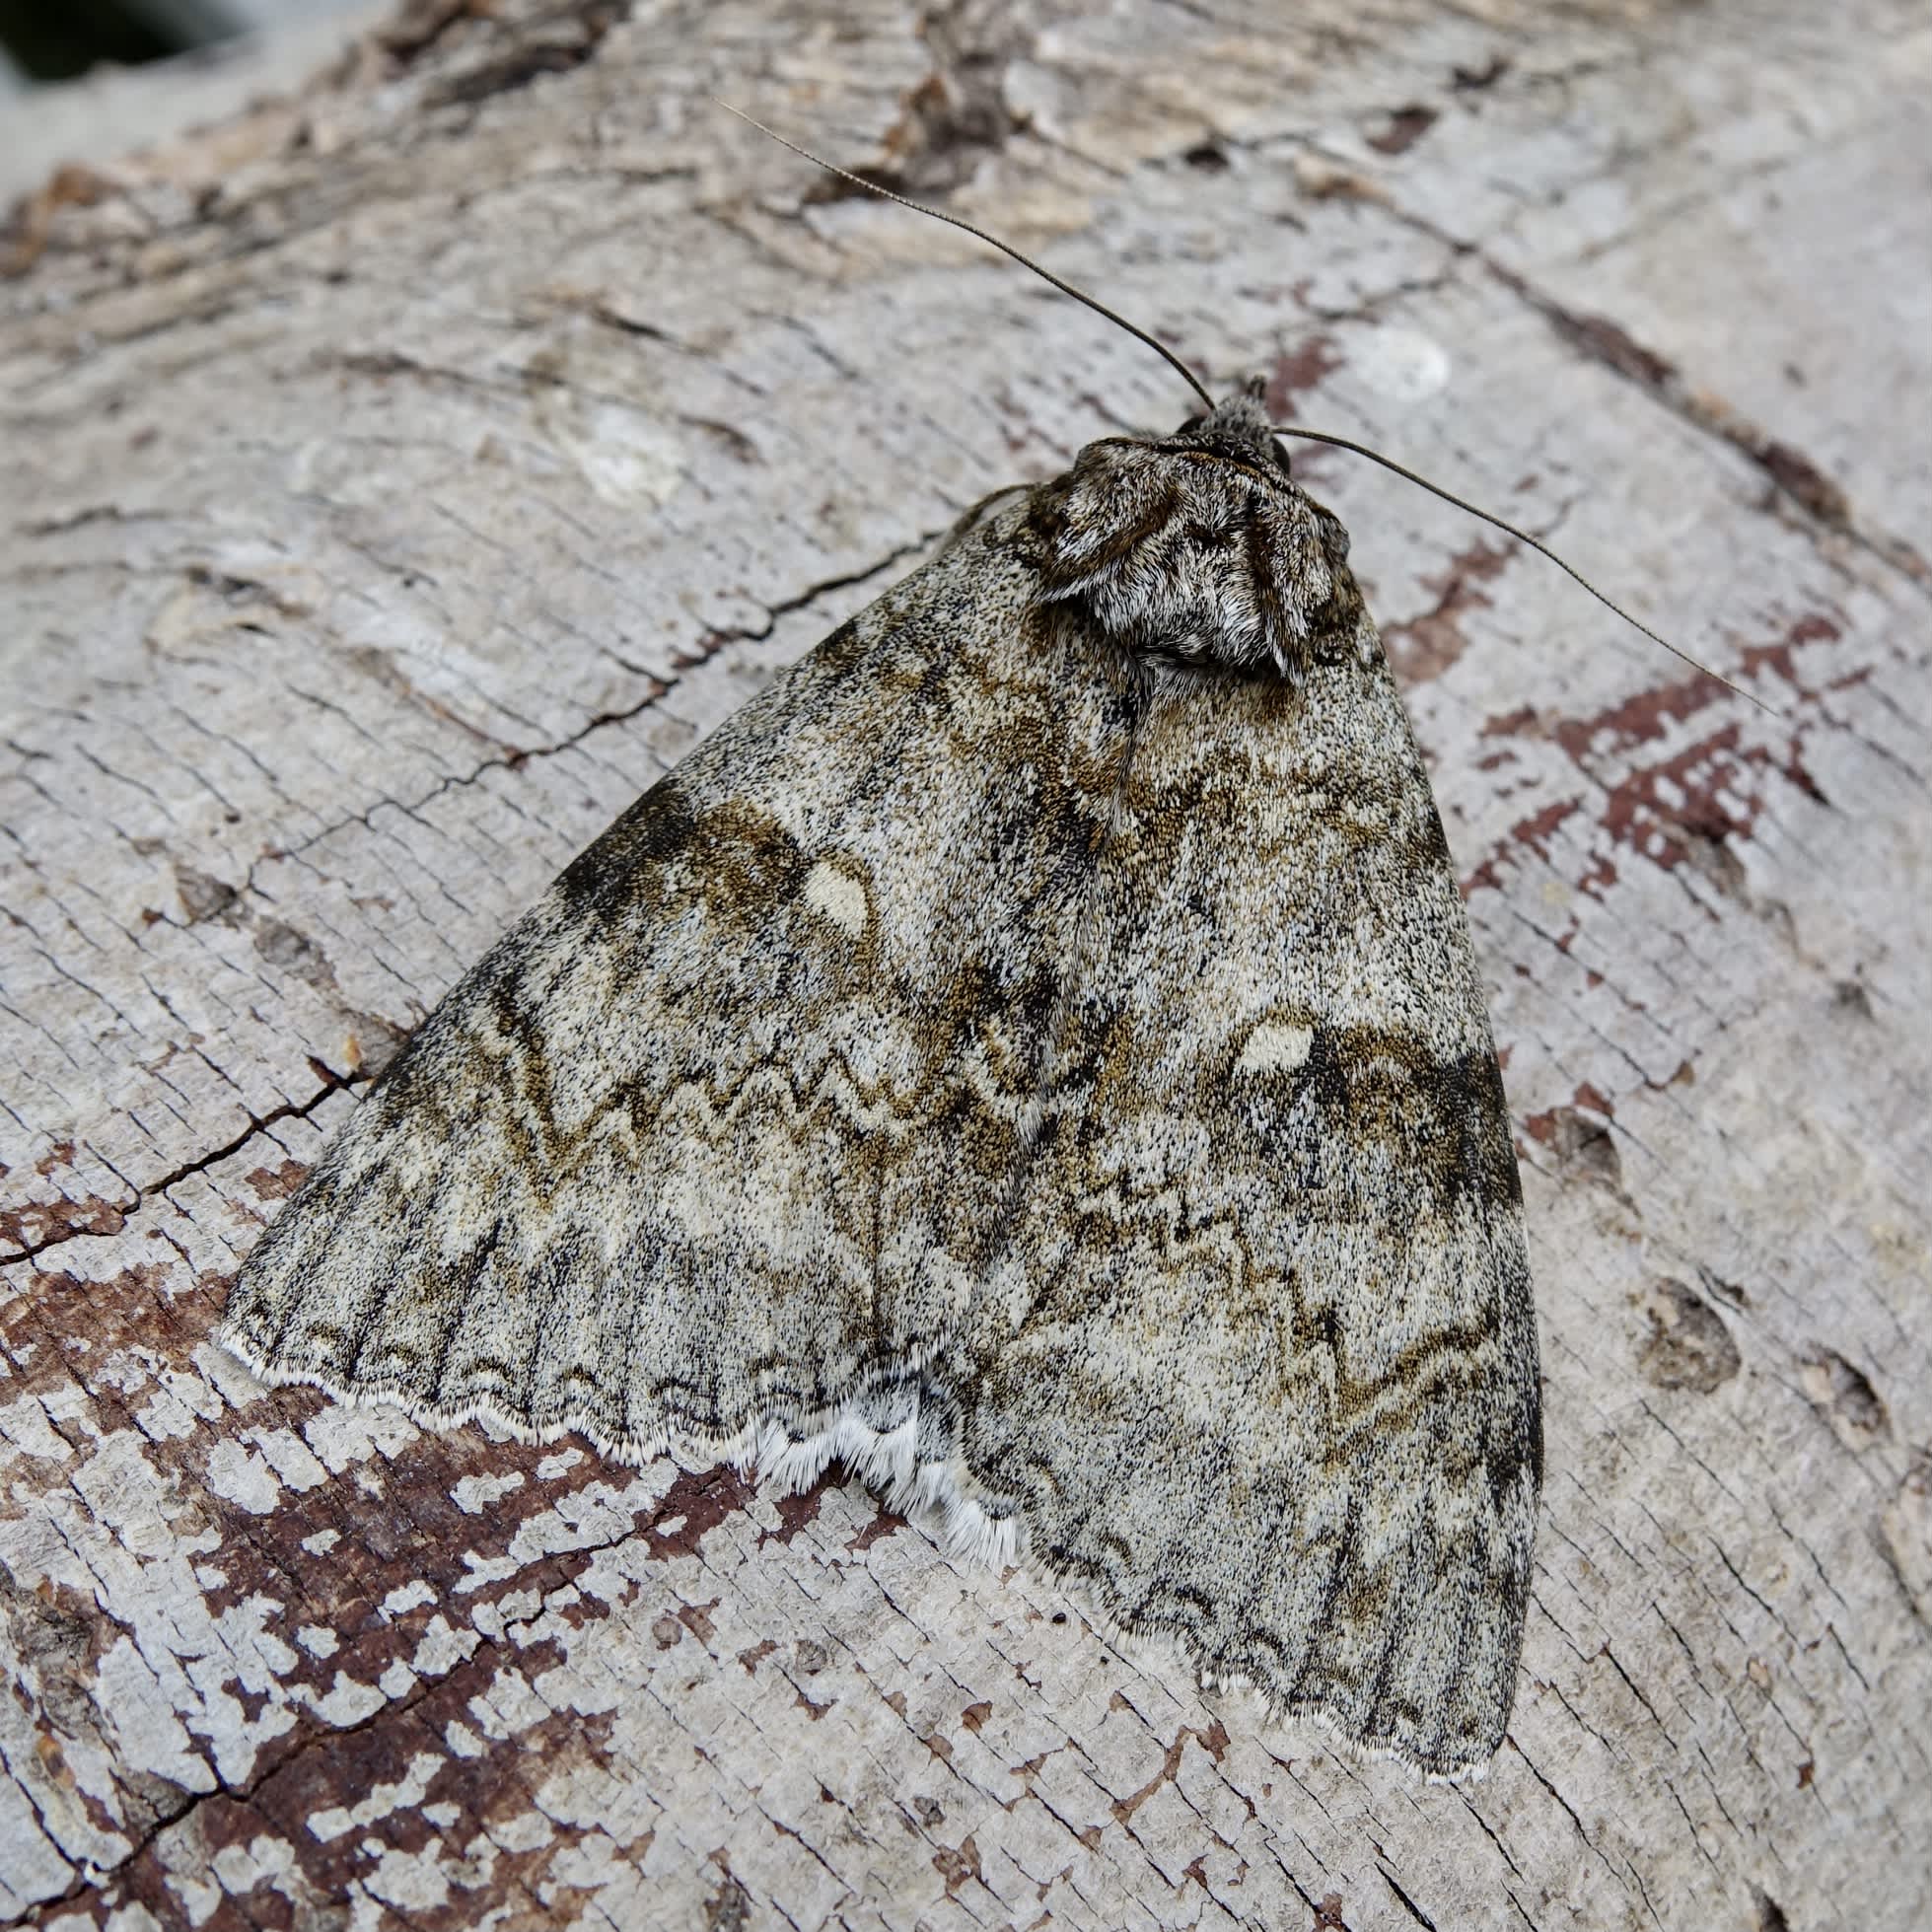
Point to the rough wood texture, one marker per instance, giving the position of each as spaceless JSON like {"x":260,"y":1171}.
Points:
{"x":399,"y":478}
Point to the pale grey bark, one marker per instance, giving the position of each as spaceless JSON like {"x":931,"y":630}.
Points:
{"x":400,"y":476}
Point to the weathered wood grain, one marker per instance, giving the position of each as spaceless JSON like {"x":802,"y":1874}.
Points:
{"x":400,"y":477}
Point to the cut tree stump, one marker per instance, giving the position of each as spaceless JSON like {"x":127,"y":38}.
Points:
{"x":401,"y":477}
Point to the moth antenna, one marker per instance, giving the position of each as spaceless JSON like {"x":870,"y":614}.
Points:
{"x":1522,"y":537}
{"x":1100,"y":308}
{"x":1189,"y":377}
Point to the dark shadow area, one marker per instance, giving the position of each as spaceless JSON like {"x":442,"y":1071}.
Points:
{"x":60,"y":40}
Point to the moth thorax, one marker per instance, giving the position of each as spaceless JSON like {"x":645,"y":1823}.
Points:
{"x":1194,"y":555}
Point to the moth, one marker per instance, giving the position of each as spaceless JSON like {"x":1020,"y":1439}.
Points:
{"x":1034,"y":1052}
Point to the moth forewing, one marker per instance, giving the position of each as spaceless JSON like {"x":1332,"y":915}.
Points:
{"x":1032,"y":1052}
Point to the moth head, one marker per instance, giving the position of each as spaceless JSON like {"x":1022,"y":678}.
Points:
{"x":1199,"y":548}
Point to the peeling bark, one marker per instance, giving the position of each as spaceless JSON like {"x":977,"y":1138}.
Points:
{"x":379,"y":517}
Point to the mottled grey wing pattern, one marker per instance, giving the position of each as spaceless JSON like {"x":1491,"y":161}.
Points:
{"x":1034,"y":1050}
{"x":723,"y":1129}
{"x":1269,"y":1275}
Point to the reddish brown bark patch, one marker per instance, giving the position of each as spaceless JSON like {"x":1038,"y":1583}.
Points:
{"x":956,"y":1866}
{"x":1428,"y":645}
{"x":43,"y":1224}
{"x":1404,"y":129}
{"x":1300,"y":370}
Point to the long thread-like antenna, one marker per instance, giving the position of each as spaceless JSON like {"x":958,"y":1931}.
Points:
{"x":1161,"y":349}
{"x":1522,"y":537}
{"x":1187,"y":376}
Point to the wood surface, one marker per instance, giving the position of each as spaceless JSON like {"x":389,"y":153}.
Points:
{"x":400,"y":476}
